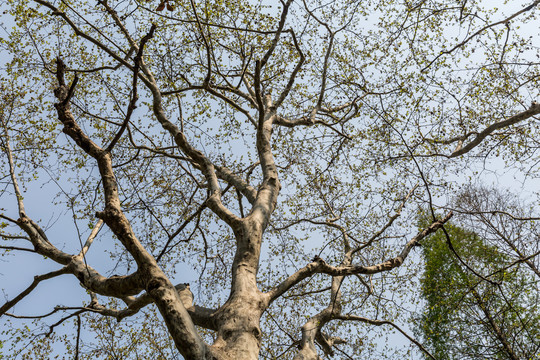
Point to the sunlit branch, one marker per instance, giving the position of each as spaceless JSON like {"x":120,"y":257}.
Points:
{"x":269,"y":189}
{"x":14,"y":183}
{"x":117,"y":286}
{"x":240,"y":184}
{"x":328,"y":342}
{"x":112,"y":213}
{"x":204,"y":164}
{"x":250,"y":90}
{"x":91,"y":237}
{"x":201,"y":316}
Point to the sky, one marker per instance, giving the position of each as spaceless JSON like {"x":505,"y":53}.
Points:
{"x":16,"y":275}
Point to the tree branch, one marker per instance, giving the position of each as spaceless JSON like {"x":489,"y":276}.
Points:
{"x":133,"y":101}
{"x":318,"y":265}
{"x":79,"y":32}
{"x":204,"y":164}
{"x":37,"y":279}
{"x":201,"y":316}
{"x":504,"y":21}
{"x":91,"y":237}
{"x":532,"y":111}
{"x":14,"y":182}
{"x":386,"y":322}
{"x":240,"y":184}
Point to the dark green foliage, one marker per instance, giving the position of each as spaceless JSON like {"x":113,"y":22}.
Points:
{"x":467,"y":317}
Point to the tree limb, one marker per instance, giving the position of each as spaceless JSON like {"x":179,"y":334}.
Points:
{"x":318,"y":265}
{"x":386,"y":322}
{"x":460,"y":150}
{"x":37,"y":279}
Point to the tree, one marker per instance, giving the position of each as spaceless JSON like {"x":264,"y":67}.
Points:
{"x":279,"y":151}
{"x":467,"y":318}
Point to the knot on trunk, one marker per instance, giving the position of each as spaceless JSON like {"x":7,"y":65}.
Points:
{"x":155,"y":284}
{"x":60,"y":93}
{"x":107,"y":214}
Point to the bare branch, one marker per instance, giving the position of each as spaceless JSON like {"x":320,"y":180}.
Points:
{"x":204,"y":164}
{"x":37,"y":279}
{"x":307,"y":121}
{"x":91,"y":237}
{"x":532,"y":111}
{"x":201,"y":316}
{"x":79,"y":32}
{"x":388,"y":224}
{"x":292,"y":77}
{"x":206,"y":45}
{"x":504,"y":21}
{"x":278,"y":32}
{"x":77,"y":341}
{"x":14,"y":182}
{"x":133,"y":101}
{"x":17,"y":248}
{"x":240,"y":184}
{"x":318,"y":265}
{"x":62,"y":320}
{"x":386,"y":322}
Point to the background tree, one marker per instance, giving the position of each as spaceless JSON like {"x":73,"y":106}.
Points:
{"x":467,"y":318}
{"x":274,"y":154}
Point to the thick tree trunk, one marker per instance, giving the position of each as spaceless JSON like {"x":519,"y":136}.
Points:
{"x":238,"y":320}
{"x":239,"y":333}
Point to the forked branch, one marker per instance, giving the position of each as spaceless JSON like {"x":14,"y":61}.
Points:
{"x":318,"y":265}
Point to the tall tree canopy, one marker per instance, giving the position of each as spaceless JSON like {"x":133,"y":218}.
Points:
{"x":466,"y":318}
{"x":274,"y":155}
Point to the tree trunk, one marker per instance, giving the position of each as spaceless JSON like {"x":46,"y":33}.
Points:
{"x":238,"y":320}
{"x":239,"y":333}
